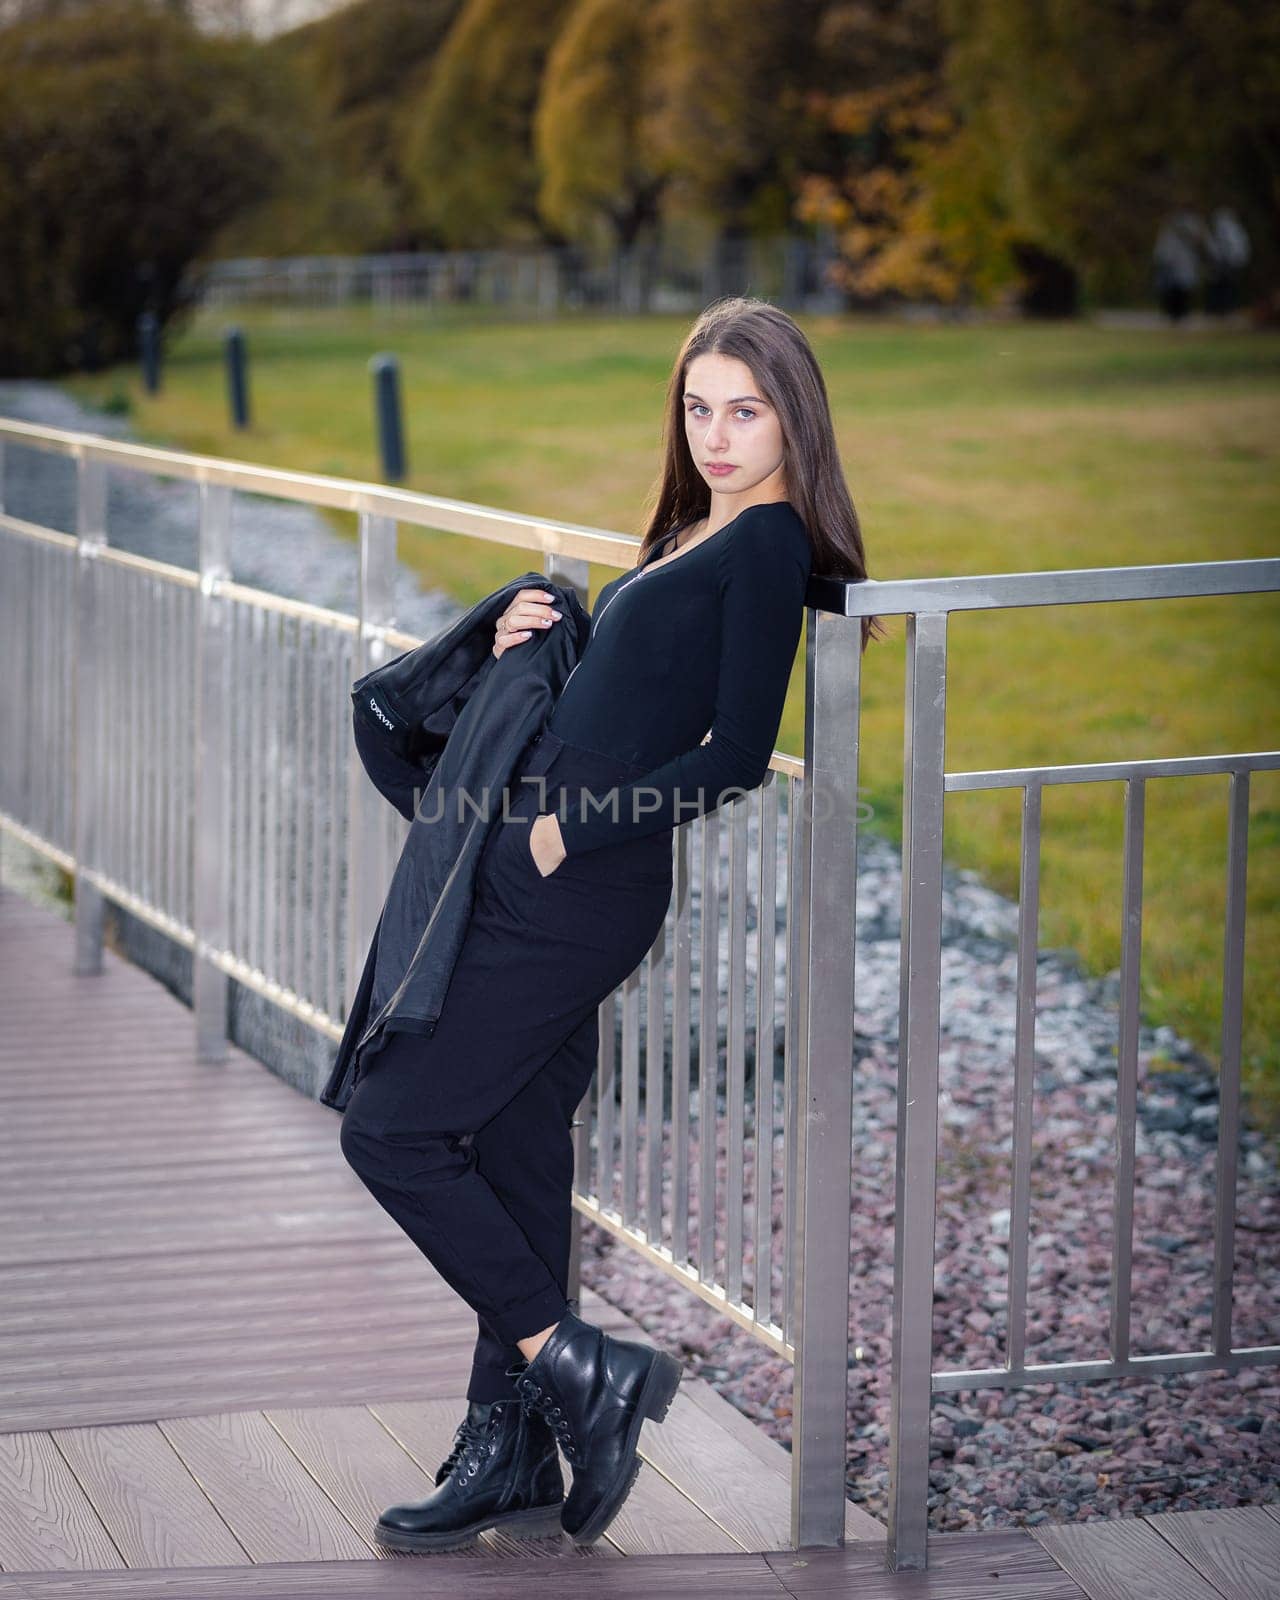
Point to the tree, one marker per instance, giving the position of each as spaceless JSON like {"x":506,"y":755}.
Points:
{"x":1093,"y":119}
{"x":731,"y":82}
{"x":127,"y":141}
{"x":593,"y":128}
{"x":469,"y":143}
{"x":368,"y":63}
{"x":878,"y":163}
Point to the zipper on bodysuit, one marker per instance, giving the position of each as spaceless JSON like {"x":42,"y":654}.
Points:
{"x":591,"y":632}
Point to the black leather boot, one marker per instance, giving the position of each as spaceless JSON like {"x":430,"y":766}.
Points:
{"x":503,"y":1472}
{"x":596,"y":1391}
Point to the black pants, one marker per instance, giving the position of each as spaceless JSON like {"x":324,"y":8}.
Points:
{"x":464,"y":1137}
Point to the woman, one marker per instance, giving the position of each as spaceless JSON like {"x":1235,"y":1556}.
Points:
{"x":672,"y":708}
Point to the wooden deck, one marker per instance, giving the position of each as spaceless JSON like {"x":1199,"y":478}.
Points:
{"x":219,"y":1359}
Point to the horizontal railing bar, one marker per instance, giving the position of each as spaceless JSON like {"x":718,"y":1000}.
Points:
{"x":113,"y":889}
{"x":1081,"y":1371}
{"x":1180,"y":580}
{"x":145,"y":566}
{"x":37,"y":842}
{"x":768,"y":1333}
{"x":283,"y":605}
{"x":1110,"y":771}
{"x":279,"y":994}
{"x":35,"y":530}
{"x":541,"y":534}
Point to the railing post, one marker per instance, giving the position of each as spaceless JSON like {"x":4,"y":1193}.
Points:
{"x":366,"y":870}
{"x":211,"y":889}
{"x":915,"y":1177}
{"x":576,"y":573}
{"x":824,"y":1067}
{"x":87,"y":741}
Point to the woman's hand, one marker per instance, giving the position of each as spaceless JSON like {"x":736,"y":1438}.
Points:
{"x":525,"y":613}
{"x":545,"y":844}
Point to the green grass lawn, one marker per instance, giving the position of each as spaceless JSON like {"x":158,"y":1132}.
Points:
{"x":968,"y":450}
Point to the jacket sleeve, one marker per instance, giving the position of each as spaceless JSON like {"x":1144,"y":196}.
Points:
{"x":396,"y":778}
{"x":764,"y":569}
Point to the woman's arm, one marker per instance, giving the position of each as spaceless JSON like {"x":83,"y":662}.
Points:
{"x":764,"y":568}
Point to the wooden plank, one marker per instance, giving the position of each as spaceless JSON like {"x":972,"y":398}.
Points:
{"x":265,"y":1258}
{"x":127,"y":1075}
{"x":97,"y":1182}
{"x":254,"y":1118}
{"x":858,"y":1524}
{"x":246,"y":1386}
{"x":1236,"y":1549}
{"x":43,"y":1373}
{"x":424,"y":1430}
{"x":151,"y":1506}
{"x":240,"y":1319}
{"x":658,"y":1519}
{"x":101,"y":1149}
{"x":721,"y":1475}
{"x":261,"y":1490}
{"x":336,"y":1282}
{"x":962,"y":1566}
{"x":363,"y":1468}
{"x":256,"y":1322}
{"x":439,"y":1577}
{"x":46,"y":1519}
{"x":1122,"y":1560}
{"x":116,"y":1158}
{"x":77,"y":1244}
{"x":298,"y":1204}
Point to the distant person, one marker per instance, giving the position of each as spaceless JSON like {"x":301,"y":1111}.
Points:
{"x":1228,"y":257}
{"x":1180,"y":250}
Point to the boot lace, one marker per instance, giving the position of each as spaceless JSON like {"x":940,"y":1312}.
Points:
{"x":540,"y":1402}
{"x":469,"y":1442}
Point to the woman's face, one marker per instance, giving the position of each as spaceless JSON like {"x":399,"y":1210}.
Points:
{"x":729,"y":425}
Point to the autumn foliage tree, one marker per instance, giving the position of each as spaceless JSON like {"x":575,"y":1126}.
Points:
{"x":880,"y":128}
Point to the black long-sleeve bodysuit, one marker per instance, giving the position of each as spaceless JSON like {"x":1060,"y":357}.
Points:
{"x":464,"y":1136}
{"x":705,"y":642}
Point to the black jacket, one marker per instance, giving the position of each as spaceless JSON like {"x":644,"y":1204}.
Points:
{"x":447,"y":722}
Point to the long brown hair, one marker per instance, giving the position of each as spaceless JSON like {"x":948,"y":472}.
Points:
{"x":787,"y":374}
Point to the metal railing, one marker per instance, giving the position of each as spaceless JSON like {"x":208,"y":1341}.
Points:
{"x":181,"y":744}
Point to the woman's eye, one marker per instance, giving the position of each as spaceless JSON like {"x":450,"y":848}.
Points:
{"x":740,"y":410}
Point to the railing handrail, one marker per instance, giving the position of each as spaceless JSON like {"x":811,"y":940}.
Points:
{"x":547,"y":535}
{"x":1069,"y":586}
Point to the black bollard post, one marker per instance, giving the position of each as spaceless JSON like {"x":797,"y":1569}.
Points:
{"x":386,"y":390}
{"x":237,"y":375}
{"x":149,"y":342}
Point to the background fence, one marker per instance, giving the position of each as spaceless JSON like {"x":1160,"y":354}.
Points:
{"x":670,"y":275}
